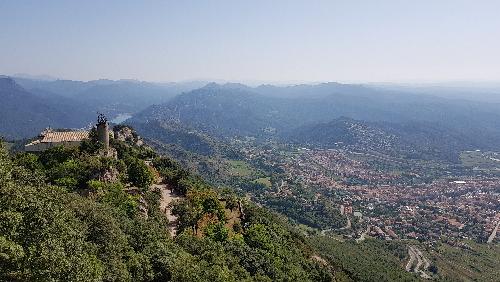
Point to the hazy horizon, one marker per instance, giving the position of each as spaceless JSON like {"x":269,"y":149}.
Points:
{"x":279,"y":42}
{"x":254,"y":83}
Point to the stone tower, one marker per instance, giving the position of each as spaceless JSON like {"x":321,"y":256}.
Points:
{"x":102,"y":131}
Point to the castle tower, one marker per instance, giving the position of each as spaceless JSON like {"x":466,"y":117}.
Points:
{"x":102,"y":131}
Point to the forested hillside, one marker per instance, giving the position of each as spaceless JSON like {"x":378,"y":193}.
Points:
{"x":313,"y":114}
{"x":411,"y":140}
{"x":24,"y":114}
{"x":75,"y":215}
{"x":29,"y":106}
{"x":109,"y":96}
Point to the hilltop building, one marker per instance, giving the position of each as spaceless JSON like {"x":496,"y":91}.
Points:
{"x":70,"y":138}
{"x":50,"y":138}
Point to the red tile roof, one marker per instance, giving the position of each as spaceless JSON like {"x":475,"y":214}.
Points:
{"x":67,"y":136}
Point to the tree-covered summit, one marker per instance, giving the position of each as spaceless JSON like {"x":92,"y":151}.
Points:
{"x":70,"y":214}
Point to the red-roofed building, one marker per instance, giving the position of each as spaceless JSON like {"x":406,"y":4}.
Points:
{"x":49,"y":138}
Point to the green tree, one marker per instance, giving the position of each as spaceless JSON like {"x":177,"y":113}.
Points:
{"x":139,"y":173}
{"x":56,"y":155}
{"x":29,"y":161}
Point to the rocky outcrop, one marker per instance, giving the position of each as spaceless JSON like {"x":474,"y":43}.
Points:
{"x":127,"y":134}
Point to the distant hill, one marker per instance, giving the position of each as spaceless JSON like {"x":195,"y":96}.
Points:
{"x":24,"y":114}
{"x":123,"y":96}
{"x":111,"y":97}
{"x":345,"y":131}
{"x":310,"y":90}
{"x":177,"y":134}
{"x":273,"y":112}
{"x":267,"y":111}
{"x":34,"y":77}
{"x":421,"y":140}
{"x":488,"y":92}
{"x":30,"y":104}
{"x":220,"y":111}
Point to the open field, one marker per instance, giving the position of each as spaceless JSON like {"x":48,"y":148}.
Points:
{"x":483,"y":160}
{"x":265,"y":181}
{"x":239,"y":168}
{"x":467,"y":261}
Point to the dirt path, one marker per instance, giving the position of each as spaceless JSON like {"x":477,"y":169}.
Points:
{"x":363,"y":235}
{"x":421,"y":262}
{"x":412,"y":259}
{"x":493,"y":233}
{"x":167,"y":197}
{"x":348,"y":226}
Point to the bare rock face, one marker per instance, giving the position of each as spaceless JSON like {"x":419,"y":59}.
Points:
{"x":110,"y":175}
{"x":139,"y":142}
{"x":127,"y":134}
{"x":143,"y":207}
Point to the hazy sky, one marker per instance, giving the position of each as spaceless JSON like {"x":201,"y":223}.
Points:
{"x":286,"y":41}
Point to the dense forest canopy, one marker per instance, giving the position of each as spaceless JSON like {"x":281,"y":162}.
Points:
{"x":60,"y":222}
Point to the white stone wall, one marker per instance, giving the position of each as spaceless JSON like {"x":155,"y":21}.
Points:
{"x":39,"y":147}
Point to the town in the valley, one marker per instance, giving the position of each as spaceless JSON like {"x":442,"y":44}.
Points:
{"x":387,"y":197}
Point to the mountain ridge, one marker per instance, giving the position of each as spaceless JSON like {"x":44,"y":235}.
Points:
{"x":23,"y":114}
{"x":232,"y":110}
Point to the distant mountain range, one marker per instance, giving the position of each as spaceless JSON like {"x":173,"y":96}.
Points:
{"x":234,"y":108}
{"x":322,"y":114}
{"x":23,"y":114}
{"x":28,"y":105}
{"x":312,"y":114}
{"x":414,"y":140}
{"x":488,"y":92}
{"x":109,"y":96}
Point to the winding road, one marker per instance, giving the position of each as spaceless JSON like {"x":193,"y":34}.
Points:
{"x":363,"y":235}
{"x":421,"y":262}
{"x":493,"y":233}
